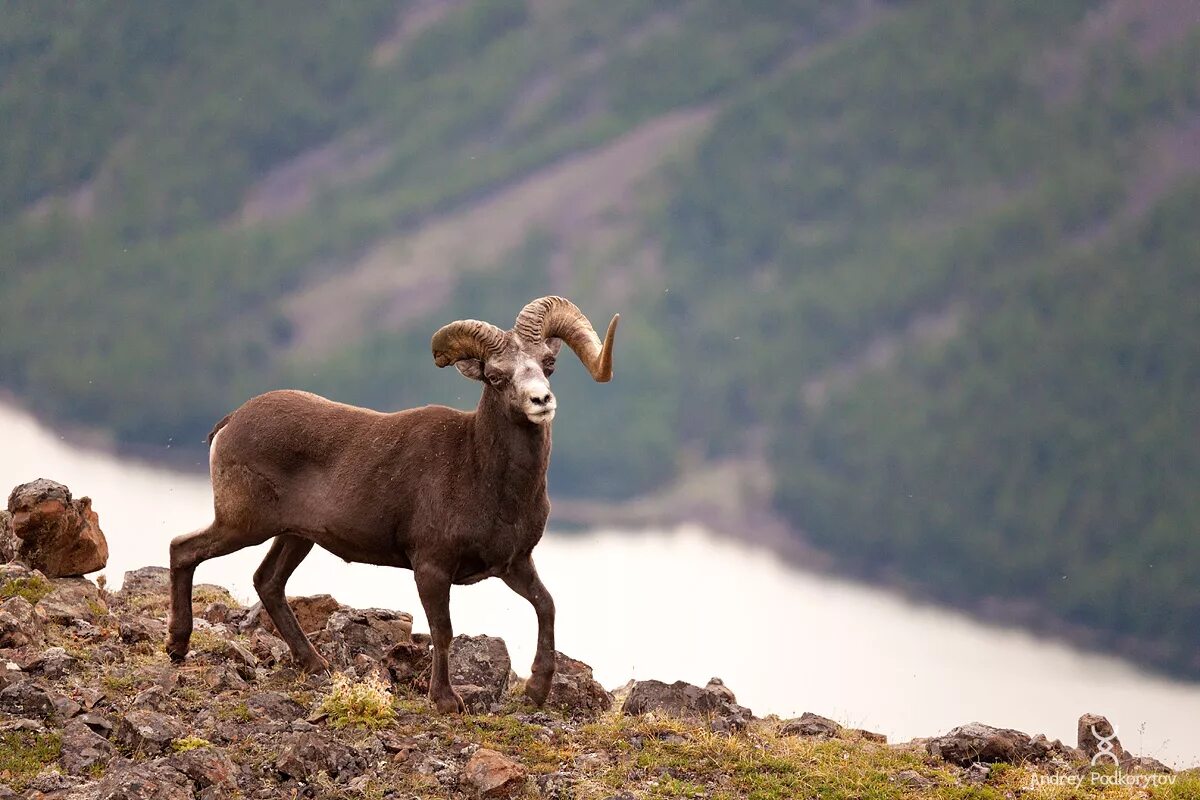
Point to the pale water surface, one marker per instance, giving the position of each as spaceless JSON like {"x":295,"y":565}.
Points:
{"x":684,"y":604}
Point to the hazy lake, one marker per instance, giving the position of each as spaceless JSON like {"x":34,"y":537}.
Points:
{"x":684,"y":604}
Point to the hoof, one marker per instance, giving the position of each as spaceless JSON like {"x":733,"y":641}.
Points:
{"x":176,"y":650}
{"x":537,"y":689}
{"x":449,"y":703}
{"x":314,"y":665}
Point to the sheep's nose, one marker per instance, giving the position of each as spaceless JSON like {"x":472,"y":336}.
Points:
{"x":543,"y":400}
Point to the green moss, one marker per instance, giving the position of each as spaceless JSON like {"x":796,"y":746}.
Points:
{"x":189,"y":743}
{"x":34,"y":589}
{"x":24,"y":754}
{"x":238,"y":713}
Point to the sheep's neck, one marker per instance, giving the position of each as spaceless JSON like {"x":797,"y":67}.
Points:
{"x":512,"y":454}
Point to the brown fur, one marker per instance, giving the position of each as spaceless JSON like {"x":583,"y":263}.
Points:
{"x":455,"y":496}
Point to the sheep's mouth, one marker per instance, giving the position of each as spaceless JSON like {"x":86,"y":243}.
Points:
{"x":541,"y":416}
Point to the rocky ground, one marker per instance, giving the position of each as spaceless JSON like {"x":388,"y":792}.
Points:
{"x":90,"y":707}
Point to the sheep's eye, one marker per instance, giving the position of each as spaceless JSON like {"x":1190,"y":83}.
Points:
{"x":497,"y":379}
{"x":548,"y":367}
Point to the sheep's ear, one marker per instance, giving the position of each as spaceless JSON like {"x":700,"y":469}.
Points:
{"x":555,"y":344}
{"x":471,"y":368}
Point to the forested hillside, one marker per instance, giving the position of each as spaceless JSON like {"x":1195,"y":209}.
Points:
{"x":941,"y":257}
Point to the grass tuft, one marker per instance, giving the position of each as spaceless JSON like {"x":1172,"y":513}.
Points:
{"x":189,"y":743}
{"x":24,"y":754}
{"x":364,"y":703}
{"x":34,"y":589}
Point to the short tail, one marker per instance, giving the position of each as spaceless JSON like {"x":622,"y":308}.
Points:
{"x":217,"y":428}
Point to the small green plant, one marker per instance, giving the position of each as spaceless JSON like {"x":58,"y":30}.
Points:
{"x":189,"y":743}
{"x":34,"y":589}
{"x":118,"y":683}
{"x":204,"y":642}
{"x":23,"y":755}
{"x":366,"y":703}
{"x":238,"y":713}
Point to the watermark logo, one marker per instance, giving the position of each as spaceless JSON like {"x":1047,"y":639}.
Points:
{"x":1105,"y":745}
{"x":1106,"y":754}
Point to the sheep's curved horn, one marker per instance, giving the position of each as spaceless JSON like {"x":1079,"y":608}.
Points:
{"x":466,"y":338}
{"x":549,"y":317}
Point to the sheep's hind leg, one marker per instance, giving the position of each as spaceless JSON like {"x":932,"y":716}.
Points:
{"x":523,"y":579}
{"x":433,"y":585}
{"x":270,"y":581}
{"x":188,"y":552}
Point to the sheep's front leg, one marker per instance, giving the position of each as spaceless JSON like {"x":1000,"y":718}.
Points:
{"x":433,"y":585}
{"x":523,"y":579}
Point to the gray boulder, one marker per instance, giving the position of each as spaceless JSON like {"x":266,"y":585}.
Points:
{"x":206,"y":768}
{"x":479,"y":670}
{"x":976,"y":742}
{"x":1096,"y":734}
{"x":9,"y":543}
{"x":20,"y":624}
{"x":72,"y":599}
{"x":681,"y":699}
{"x":810,"y":724}
{"x":303,"y":755}
{"x":144,"y":780}
{"x":371,"y":631}
{"x":83,"y":749}
{"x":148,"y":732}
{"x":145,"y":581}
{"x":575,"y":690}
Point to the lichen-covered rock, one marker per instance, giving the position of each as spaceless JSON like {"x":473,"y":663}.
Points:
{"x":58,"y":535}
{"x":27,"y":699}
{"x":141,"y":629}
{"x":269,"y":650}
{"x":303,"y":755}
{"x":490,"y":774}
{"x":206,"y":767}
{"x":810,"y":724}
{"x":274,"y":706}
{"x":974,"y":742}
{"x":312,"y":612}
{"x":371,"y":631}
{"x":1096,"y":734}
{"x":145,"y":581}
{"x":83,"y":749}
{"x":72,"y":599}
{"x":143,"y":780}
{"x":20,"y":624}
{"x":479,"y":670}
{"x":148,"y":732}
{"x":682,"y":699}
{"x":8,"y":540}
{"x":574,"y":689}
{"x":52,"y":663}
{"x":240,"y":658}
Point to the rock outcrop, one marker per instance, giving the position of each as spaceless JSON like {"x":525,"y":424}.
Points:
{"x":56,"y":534}
{"x":97,"y":712}
{"x":573,"y":688}
{"x":976,"y":742}
{"x":9,"y":543}
{"x":686,"y":700}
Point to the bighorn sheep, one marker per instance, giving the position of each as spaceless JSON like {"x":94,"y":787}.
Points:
{"x":454,"y":496}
